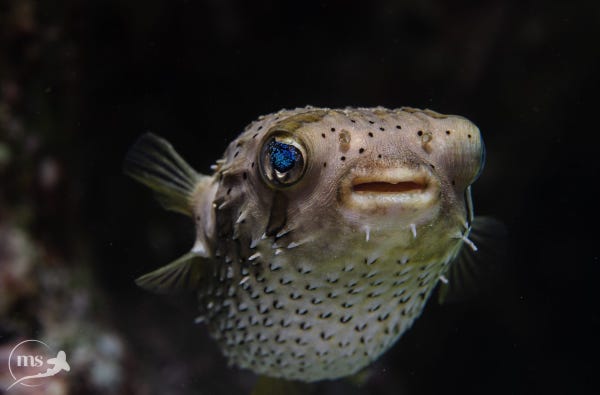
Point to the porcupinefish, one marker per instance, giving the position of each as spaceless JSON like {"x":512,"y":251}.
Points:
{"x":321,"y":233}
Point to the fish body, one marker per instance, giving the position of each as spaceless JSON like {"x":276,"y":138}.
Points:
{"x":321,"y":234}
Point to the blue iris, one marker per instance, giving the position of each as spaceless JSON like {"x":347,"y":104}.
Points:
{"x":283,"y":156}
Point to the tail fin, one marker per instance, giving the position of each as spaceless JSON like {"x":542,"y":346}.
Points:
{"x":153,"y":162}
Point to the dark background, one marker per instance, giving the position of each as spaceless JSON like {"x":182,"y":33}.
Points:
{"x":82,"y":80}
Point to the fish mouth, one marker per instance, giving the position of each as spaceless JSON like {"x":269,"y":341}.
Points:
{"x":365,"y":186}
{"x":399,"y":188}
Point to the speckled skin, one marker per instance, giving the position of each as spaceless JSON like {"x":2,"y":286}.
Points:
{"x":311,"y":282}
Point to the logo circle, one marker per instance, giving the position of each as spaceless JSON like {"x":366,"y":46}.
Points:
{"x":10,"y":356}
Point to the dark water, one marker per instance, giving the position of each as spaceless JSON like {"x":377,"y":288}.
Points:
{"x":81,"y":80}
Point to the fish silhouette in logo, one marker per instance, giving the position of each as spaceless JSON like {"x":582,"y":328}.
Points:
{"x":58,"y":364}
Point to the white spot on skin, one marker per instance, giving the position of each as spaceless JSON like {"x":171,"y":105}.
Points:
{"x":199,"y":320}
{"x":244,"y":280}
{"x":254,"y":256}
{"x":367,"y":234}
{"x":278,"y":251}
{"x":413,"y":229}
{"x":443,"y":279}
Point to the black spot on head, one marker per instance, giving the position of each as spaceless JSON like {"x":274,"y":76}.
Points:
{"x":255,"y":134}
{"x":343,"y":158}
{"x":259,"y":128}
{"x":228,"y":191}
{"x":236,"y":154}
{"x":469,"y":136}
{"x":453,"y":182}
{"x":420,"y":133}
{"x":370,"y":134}
{"x":252,"y":165}
{"x":379,"y":156}
{"x":382,"y":129}
{"x":398,"y":127}
{"x":371,"y":122}
{"x":360,"y":151}
{"x":353,"y":121}
{"x":333,"y":129}
{"x":323,"y":135}
{"x":324,"y":164}
{"x":245,"y":176}
{"x":448,"y":132}
{"x":432,"y":166}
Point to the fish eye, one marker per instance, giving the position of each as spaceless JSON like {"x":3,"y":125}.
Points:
{"x":282,"y":160}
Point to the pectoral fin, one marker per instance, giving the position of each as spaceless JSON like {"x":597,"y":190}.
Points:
{"x":479,"y":264}
{"x":183,"y":274}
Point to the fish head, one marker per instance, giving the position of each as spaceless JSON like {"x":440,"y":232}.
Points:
{"x":370,"y":169}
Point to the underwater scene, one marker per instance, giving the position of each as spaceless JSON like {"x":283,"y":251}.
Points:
{"x":338,"y":197}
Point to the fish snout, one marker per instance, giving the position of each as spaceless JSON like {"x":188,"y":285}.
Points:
{"x":396,"y":193}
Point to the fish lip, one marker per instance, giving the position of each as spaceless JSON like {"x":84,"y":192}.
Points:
{"x":400,"y":186}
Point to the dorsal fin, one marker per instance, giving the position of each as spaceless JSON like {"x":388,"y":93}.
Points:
{"x":153,"y":162}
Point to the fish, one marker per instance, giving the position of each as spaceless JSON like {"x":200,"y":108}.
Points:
{"x":320,"y":234}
